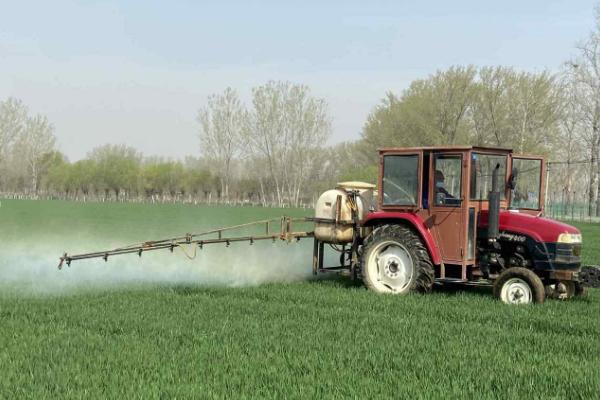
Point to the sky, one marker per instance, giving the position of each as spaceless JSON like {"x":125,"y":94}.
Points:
{"x":136,"y":72}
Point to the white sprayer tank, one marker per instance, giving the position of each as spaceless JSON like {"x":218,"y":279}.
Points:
{"x":336,"y":202}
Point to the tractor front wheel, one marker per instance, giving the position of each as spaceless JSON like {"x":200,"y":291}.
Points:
{"x":519,"y":285}
{"x":394,"y":260}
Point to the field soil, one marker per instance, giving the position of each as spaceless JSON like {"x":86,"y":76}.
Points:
{"x":250,"y":322}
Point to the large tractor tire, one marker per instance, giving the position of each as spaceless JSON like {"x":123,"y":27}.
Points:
{"x":519,"y":285}
{"x":394,"y":260}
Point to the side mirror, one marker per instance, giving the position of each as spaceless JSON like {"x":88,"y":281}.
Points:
{"x":512,"y":180}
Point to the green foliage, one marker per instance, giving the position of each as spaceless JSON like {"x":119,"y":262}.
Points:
{"x":383,"y":126}
{"x":120,"y":169}
{"x":591,"y":239}
{"x":83,"y":174}
{"x":117,"y":167}
{"x":365,"y":174}
{"x":58,"y":171}
{"x":322,"y":338}
{"x":464,"y":105}
{"x":295,"y":341}
{"x":197,"y":180}
{"x":163,"y":178}
{"x":519,"y":110}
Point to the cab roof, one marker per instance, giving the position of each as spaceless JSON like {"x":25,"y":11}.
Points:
{"x":439,"y":148}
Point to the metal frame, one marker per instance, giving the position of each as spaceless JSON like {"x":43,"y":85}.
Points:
{"x":543,"y":183}
{"x":478,"y":205}
{"x":461,"y":209}
{"x":285,"y":233}
{"x":400,"y":152}
{"x":351,"y":264}
{"x":349,"y":253}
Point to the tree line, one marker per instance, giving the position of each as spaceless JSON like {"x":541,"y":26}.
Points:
{"x":553,"y":114}
{"x":271,"y":154}
{"x":273,"y":151}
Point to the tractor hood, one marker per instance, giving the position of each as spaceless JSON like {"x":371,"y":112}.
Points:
{"x":538,"y":228}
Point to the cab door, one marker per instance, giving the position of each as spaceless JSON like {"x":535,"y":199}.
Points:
{"x":448,"y":204}
{"x":528,"y":193}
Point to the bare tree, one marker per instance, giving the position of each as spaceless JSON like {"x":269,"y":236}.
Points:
{"x":569,"y":146}
{"x":307,"y":130}
{"x":288,"y":126}
{"x":222,"y":136}
{"x":489,"y":114}
{"x":452,"y":94}
{"x":13,"y":115}
{"x":266,"y":130}
{"x":584,"y":71}
{"x":33,"y":143}
{"x":535,"y":110}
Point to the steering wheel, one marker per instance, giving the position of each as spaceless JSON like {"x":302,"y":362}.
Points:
{"x":405,"y":194}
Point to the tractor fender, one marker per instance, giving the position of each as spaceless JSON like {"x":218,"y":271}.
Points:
{"x":412,"y":220}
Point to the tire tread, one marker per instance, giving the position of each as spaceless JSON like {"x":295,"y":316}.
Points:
{"x":538,"y":290}
{"x":413,"y":243}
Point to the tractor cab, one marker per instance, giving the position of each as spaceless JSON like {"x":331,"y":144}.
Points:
{"x":478,"y":212}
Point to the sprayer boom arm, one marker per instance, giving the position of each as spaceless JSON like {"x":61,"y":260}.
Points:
{"x":200,"y":239}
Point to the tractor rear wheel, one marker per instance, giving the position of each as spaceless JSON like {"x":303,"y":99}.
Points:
{"x":519,"y":285}
{"x":394,"y":260}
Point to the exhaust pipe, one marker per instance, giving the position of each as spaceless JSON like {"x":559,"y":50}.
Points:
{"x":494,"y":207}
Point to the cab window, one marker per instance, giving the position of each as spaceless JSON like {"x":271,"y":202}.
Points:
{"x":447,"y":175}
{"x":482,"y":167}
{"x":400,"y":180}
{"x":526,"y":193}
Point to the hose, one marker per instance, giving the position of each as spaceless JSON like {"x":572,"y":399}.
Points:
{"x":190,"y":257}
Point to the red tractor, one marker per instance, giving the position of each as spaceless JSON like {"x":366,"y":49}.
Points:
{"x":457,"y":214}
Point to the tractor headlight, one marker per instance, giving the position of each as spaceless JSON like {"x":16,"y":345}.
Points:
{"x":572,"y":238}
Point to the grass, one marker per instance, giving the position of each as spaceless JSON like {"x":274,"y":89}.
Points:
{"x":307,"y":339}
{"x":591,"y":247}
{"x":63,"y":221}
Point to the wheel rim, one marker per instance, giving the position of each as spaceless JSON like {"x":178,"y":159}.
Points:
{"x":516,"y":291}
{"x":390,"y":267}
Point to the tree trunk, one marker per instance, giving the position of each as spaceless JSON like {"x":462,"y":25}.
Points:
{"x":593,"y":179}
{"x":568,"y":185}
{"x":263,"y":196}
{"x":596,"y":170}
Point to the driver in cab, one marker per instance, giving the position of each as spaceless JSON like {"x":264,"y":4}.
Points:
{"x":442,"y":196}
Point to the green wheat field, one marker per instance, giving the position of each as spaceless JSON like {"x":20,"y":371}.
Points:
{"x":251,"y":322}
